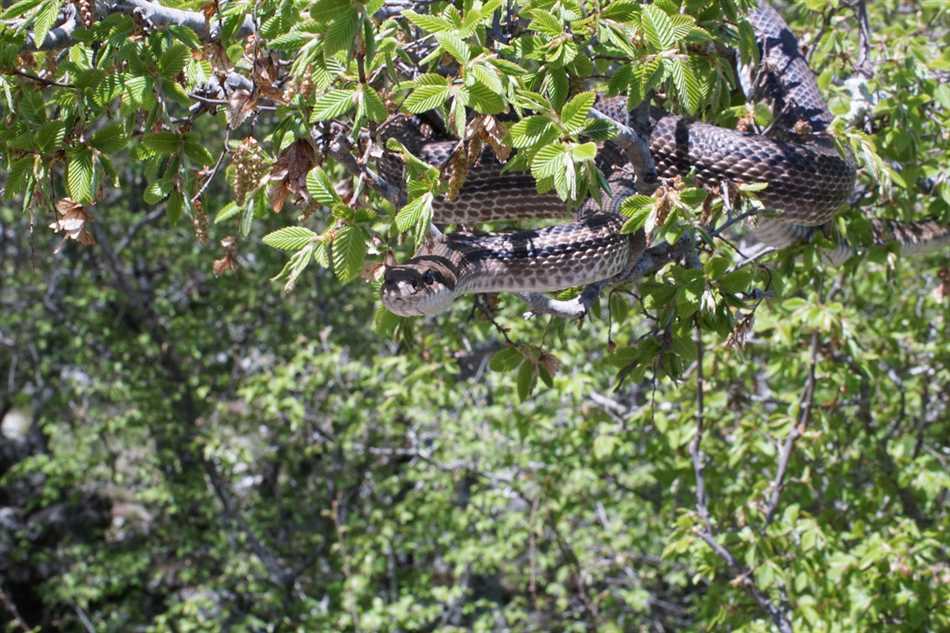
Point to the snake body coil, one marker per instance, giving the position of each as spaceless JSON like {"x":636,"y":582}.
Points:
{"x":807,"y":181}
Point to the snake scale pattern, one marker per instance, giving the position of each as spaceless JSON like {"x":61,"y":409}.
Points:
{"x":808,"y":181}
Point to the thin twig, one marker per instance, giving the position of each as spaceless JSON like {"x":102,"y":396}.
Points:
{"x":37,"y":78}
{"x":804,"y":417}
{"x":217,"y":168}
{"x":10,"y":606}
{"x":148,"y":219}
{"x":864,"y":32}
{"x":695,"y":445}
{"x":742,"y":576}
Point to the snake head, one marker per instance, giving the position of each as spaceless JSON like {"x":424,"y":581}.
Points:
{"x":418,"y":288}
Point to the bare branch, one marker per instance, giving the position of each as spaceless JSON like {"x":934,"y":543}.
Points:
{"x":864,"y":65}
{"x":215,"y":169}
{"x":341,"y":150}
{"x":804,"y":417}
{"x":138,"y":226}
{"x":16,"y":621}
{"x":652,"y":260}
{"x":569,"y":309}
{"x":741,"y":575}
{"x":151,"y":13}
{"x":637,"y":150}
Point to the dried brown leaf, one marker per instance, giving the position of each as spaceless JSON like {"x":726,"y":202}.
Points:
{"x":289,"y":173}
{"x":241,"y":104}
{"x":73,"y":223}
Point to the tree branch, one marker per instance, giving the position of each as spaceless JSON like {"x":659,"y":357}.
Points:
{"x":16,"y":620}
{"x":637,"y":150}
{"x":570,"y":308}
{"x":741,"y":575}
{"x":649,"y":262}
{"x":804,"y":417}
{"x":341,"y":150}
{"x":864,"y":65}
{"x":151,"y":13}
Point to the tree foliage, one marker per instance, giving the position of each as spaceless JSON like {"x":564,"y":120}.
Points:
{"x":186,"y":447}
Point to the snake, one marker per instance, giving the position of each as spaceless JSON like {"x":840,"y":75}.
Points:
{"x":808,"y":180}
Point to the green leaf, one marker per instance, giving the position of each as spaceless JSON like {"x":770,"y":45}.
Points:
{"x":197,"y":152}
{"x":349,"y":250}
{"x":633,"y":203}
{"x":693,"y":196}
{"x":247,"y":216}
{"x":638,"y":209}
{"x":157,"y":191}
{"x":505,"y":359}
{"x":486,"y":74}
{"x":320,"y":188}
{"x":227,"y":212}
{"x":174,"y":207}
{"x":457,"y":118}
{"x":584,"y":152}
{"x":454,"y":46}
{"x":621,"y":10}
{"x":291,"y":41}
{"x":683,"y":26}
{"x":332,"y":104}
{"x":296,"y":265}
{"x":604,"y":445}
{"x":657,"y":27}
{"x":507,"y":67}
{"x":17,"y":9}
{"x":556,"y":86}
{"x":574,"y":113}
{"x":415,"y":212}
{"x":748,"y":46}
{"x":484,"y":100}
{"x":163,"y":142}
{"x":532,"y":100}
{"x":736,"y":281}
{"x":480,"y":15}
{"x":544,"y":22}
{"x":323,"y":11}
{"x":527,"y":379}
{"x":21,"y":172}
{"x":50,"y":136}
{"x":565,"y":180}
{"x":173,"y":60}
{"x":110,"y":139}
{"x":531,"y":131}
{"x":426,"y":97}
{"x":290,"y":238}
{"x":341,"y":32}
{"x":430,"y":23}
{"x":371,"y":105}
{"x":646,"y":77}
{"x":134,"y":89}
{"x":548,"y":161}
{"x":45,"y":19}
{"x":80,"y":176}
{"x":688,"y":88}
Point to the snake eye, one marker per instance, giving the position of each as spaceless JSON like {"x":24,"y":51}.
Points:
{"x":428,"y":278}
